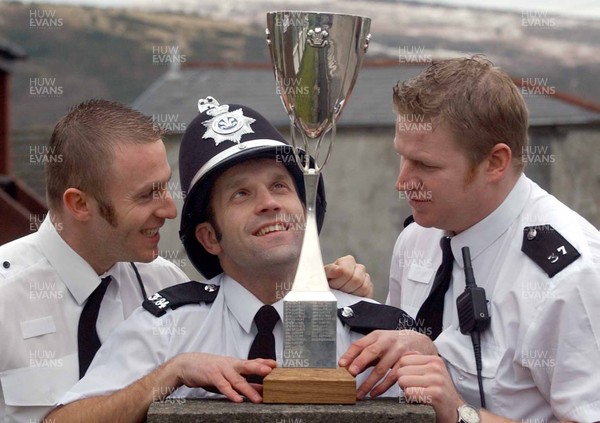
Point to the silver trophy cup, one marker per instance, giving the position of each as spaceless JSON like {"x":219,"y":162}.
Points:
{"x":316,"y":58}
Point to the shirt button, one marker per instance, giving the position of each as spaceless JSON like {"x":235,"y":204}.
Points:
{"x":347,"y":312}
{"x":461,"y":377}
{"x":6,"y":264}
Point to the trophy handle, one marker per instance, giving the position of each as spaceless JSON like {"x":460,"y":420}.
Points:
{"x":305,"y":164}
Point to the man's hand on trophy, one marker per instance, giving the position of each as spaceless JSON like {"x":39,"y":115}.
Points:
{"x":221,"y":374}
{"x":383,"y":349}
{"x":348,"y":276}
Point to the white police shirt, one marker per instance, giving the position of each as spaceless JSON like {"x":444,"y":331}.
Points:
{"x":44,"y":285}
{"x":541,"y":352}
{"x":224,"y":327}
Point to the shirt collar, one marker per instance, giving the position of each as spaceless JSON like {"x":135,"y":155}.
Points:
{"x":481,"y":235}
{"x":74,"y":271}
{"x":242,"y":303}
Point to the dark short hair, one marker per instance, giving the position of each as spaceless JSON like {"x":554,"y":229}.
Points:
{"x":85,"y":140}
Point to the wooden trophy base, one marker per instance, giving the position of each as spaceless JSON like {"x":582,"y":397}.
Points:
{"x":291,"y":385}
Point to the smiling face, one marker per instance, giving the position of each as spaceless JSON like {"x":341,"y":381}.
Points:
{"x":128,"y":228}
{"x":442,"y":188}
{"x":259,"y":215}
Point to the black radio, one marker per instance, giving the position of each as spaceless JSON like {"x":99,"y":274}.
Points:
{"x":471,"y":304}
{"x":473,"y":315}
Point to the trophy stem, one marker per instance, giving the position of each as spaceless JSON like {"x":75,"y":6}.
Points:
{"x":310,"y":307}
{"x":310,"y":275}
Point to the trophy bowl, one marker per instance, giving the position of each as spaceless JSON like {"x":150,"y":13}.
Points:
{"x":316,"y":58}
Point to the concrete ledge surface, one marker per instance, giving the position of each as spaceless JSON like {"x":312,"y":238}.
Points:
{"x":370,"y":411}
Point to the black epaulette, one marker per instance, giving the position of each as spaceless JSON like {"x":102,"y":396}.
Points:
{"x":410,"y":219}
{"x":365,"y":317}
{"x":548,"y":249}
{"x":179,"y":295}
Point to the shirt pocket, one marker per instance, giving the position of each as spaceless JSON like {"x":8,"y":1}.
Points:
{"x":457,"y":350}
{"x":416,"y":288}
{"x":40,"y":386}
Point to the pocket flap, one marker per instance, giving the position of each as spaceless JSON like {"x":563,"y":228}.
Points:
{"x":420,"y":274}
{"x":37,"y":327}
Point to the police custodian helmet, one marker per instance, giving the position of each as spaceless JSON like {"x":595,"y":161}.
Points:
{"x":220,"y":137}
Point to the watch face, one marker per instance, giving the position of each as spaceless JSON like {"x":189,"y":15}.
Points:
{"x":468,"y":414}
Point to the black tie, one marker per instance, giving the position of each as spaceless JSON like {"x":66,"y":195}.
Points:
{"x":87,"y":336}
{"x":264,"y":343}
{"x":431,"y":313}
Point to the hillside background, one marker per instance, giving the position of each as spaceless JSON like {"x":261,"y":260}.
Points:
{"x":108,"y":53}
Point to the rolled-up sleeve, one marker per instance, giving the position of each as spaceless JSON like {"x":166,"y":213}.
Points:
{"x":562,"y":348}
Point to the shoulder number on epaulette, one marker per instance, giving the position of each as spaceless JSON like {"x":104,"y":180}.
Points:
{"x":548,"y":248}
{"x":365,"y":317}
{"x":179,"y":295}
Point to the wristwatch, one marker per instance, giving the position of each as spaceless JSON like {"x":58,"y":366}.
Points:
{"x":468,"y":414}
